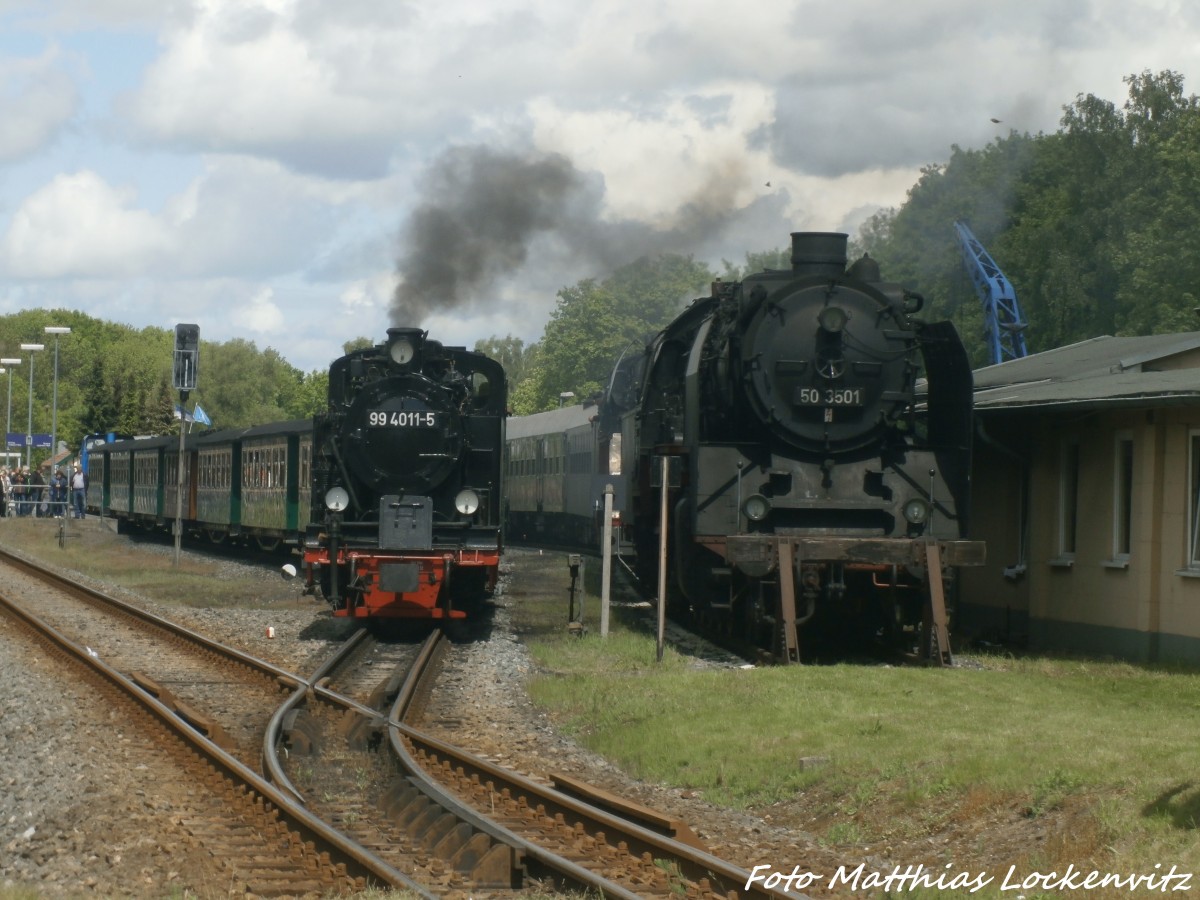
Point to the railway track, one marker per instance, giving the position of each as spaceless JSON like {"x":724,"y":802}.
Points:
{"x":257,"y":835}
{"x":354,"y":792}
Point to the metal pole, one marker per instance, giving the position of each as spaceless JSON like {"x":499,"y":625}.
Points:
{"x":183,"y":395}
{"x":29,"y":426}
{"x":606,"y":565}
{"x":8,"y":363}
{"x":57,"y":331}
{"x":31,"y":349}
{"x":8,"y":419}
{"x":662,"y":557}
{"x":54,"y":411}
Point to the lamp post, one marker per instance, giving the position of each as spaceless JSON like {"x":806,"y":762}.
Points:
{"x":55,"y":330}
{"x":32,"y":348}
{"x":8,"y":363}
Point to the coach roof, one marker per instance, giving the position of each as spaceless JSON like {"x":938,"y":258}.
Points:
{"x":552,"y":422}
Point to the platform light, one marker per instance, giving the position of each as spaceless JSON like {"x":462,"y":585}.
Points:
{"x":8,"y":363}
{"x":55,"y":330}
{"x":31,"y":349}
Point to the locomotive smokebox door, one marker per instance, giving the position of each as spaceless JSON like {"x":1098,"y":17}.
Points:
{"x":405,"y":522}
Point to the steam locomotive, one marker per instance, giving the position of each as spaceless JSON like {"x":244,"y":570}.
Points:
{"x":393,"y":495}
{"x":405,"y":518}
{"x":814,"y":485}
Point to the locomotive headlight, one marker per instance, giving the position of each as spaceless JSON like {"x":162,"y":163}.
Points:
{"x":336,"y":499}
{"x":756,"y":507}
{"x":466,"y":502}
{"x":402,"y":351}
{"x":832,"y":319}
{"x":916,"y":511}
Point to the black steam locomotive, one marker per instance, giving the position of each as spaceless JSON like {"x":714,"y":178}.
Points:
{"x":814,"y":484}
{"x":405,"y":518}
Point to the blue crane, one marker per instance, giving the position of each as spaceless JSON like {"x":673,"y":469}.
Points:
{"x":1003,"y":324}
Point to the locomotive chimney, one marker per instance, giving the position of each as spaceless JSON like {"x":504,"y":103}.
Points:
{"x":819,"y":253}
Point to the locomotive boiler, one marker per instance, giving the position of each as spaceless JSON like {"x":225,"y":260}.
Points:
{"x":405,"y":518}
{"x":815,"y":438}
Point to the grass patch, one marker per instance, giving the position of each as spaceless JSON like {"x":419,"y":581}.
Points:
{"x":1108,"y":746}
{"x":145,"y":567}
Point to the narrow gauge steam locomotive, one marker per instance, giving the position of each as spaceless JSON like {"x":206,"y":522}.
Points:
{"x":393,"y":495}
{"x":809,"y":483}
{"x":406,"y":479}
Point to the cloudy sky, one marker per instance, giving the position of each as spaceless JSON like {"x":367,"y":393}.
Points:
{"x":302,"y":172}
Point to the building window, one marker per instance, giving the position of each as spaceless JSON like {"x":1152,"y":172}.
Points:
{"x":1194,"y":499}
{"x":1123,"y":496}
{"x":1068,"y":498}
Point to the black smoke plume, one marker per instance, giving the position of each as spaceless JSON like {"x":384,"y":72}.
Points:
{"x":481,"y":211}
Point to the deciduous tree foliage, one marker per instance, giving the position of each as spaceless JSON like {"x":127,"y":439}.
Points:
{"x":1094,"y":225}
{"x":596,"y":321}
{"x":115,"y":378}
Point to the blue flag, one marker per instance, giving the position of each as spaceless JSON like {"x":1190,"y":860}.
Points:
{"x":199,"y":415}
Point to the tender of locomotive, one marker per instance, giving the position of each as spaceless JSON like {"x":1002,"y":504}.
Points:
{"x":815,"y":485}
{"x":406,"y":492}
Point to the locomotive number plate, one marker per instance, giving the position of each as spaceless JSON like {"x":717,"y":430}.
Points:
{"x":810,"y":396}
{"x":400,"y":418}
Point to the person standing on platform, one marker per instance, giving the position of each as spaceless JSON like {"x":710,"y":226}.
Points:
{"x":78,"y":492}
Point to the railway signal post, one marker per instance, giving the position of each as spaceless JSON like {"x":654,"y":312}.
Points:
{"x":186,"y":364}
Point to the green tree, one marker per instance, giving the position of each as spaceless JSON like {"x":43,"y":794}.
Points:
{"x":779,"y":259}
{"x":510,"y":352}
{"x":312,"y":395}
{"x":595,"y":322}
{"x":358,"y":343}
{"x":158,"y":416}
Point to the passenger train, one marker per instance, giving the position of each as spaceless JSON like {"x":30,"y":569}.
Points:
{"x":392,"y":496}
{"x":815,"y":484}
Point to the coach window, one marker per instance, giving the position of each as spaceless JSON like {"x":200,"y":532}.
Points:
{"x":1122,"y":497}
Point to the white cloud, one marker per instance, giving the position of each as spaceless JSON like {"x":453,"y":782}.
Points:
{"x":47,"y":14}
{"x":249,"y":217}
{"x":312,"y":125}
{"x":653,"y":161}
{"x":368,"y":298}
{"x":239,"y":78}
{"x":240,"y":217}
{"x":260,"y":314}
{"x":77,"y":225}
{"x":38,"y":99}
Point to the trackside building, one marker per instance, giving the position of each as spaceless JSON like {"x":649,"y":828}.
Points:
{"x":1086,"y":487}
